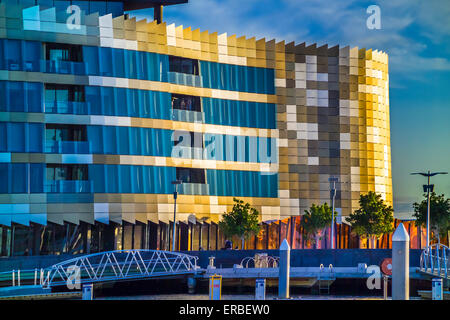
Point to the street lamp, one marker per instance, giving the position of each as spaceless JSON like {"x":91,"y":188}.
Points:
{"x":428,"y":188}
{"x":333,"y":196}
{"x":175,"y":194}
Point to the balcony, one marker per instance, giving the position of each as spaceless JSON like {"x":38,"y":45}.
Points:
{"x":68,"y":186}
{"x":66,"y":107}
{"x":185,"y":79}
{"x":63,"y":67}
{"x":67,"y":147}
{"x":188,"y":116}
{"x":194,"y":188}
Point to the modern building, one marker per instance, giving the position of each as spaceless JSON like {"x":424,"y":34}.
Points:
{"x":99,"y":113}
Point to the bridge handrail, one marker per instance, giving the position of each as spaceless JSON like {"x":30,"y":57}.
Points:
{"x":122,"y":264}
{"x":195,"y":258}
{"x":437,"y":263}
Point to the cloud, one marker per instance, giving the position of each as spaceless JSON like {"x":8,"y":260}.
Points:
{"x":329,"y":22}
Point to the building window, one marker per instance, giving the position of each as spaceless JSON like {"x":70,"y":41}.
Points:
{"x":67,"y":172}
{"x":183,"y":102}
{"x":183,"y":65}
{"x":65,"y":132}
{"x":190,"y":175}
{"x":63,"y":52}
{"x":60,"y":92}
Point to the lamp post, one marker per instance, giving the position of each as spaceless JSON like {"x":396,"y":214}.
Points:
{"x":175,"y":194}
{"x":333,"y":196}
{"x":428,"y":188}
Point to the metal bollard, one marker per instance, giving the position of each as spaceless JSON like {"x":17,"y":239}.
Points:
{"x":14,"y":278}
{"x":283,"y":276}
{"x":437,"y":291}
{"x":400,"y":264}
{"x":35,"y":276}
{"x":215,"y":287}
{"x":260,"y":289}
{"x":18,"y":277}
{"x":385,"y":286}
{"x":88,"y":291}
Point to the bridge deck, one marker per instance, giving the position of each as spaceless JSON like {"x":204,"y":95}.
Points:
{"x":297,"y":272}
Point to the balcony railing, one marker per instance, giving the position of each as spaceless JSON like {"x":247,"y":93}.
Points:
{"x":63,"y":67}
{"x":69,"y":107}
{"x":68,"y":147}
{"x":194,"y":188}
{"x":68,"y":186}
{"x":185,"y":79}
{"x":188,"y":116}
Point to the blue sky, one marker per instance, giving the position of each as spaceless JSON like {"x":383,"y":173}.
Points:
{"x":414,"y":33}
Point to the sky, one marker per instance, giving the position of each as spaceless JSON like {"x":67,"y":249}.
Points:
{"x":414,"y":33}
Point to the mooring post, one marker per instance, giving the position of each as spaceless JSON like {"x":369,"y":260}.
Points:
{"x":400,"y":264}
{"x":283,"y":276}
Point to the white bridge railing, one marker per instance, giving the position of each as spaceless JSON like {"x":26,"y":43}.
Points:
{"x":434,"y":260}
{"x":119,"y":265}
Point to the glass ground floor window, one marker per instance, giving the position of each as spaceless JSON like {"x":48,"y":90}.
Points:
{"x":85,"y":238}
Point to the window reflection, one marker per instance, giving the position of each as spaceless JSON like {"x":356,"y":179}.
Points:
{"x":183,"y":65}
{"x":190,"y":175}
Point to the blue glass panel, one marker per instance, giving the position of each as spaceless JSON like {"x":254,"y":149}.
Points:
{"x":34,"y":96}
{"x":3,"y":93}
{"x":108,"y":101}
{"x":3,"y":137}
{"x":97,"y":6}
{"x":106,"y":62}
{"x":16,"y":137}
{"x":123,"y":137}
{"x":37,"y":177}
{"x":19,"y":175}
{"x":84,"y":6}
{"x":35,"y":137}
{"x":15,"y":96}
{"x":90,"y":58}
{"x":120,"y":102}
{"x":115,"y":8}
{"x":5,"y":178}
{"x":2,"y":55}
{"x":111,"y":138}
{"x":112,"y":178}
{"x":93,"y":100}
{"x":61,"y":5}
{"x":124,"y":178}
{"x":31,"y":55}
{"x":13,"y":55}
{"x":118,"y":63}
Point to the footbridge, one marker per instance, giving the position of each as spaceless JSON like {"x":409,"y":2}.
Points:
{"x":119,"y":265}
{"x":434,"y":261}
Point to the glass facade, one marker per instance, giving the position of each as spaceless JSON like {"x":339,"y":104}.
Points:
{"x":98,"y":118}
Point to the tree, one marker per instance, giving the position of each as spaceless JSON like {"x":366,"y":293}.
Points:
{"x":242,"y":221}
{"x":373,"y":218}
{"x":315,"y":220}
{"x":439,"y":214}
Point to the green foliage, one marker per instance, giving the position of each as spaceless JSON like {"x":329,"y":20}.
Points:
{"x":316,"y":219}
{"x":242,"y":221}
{"x":373,"y":218}
{"x":439,"y":214}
